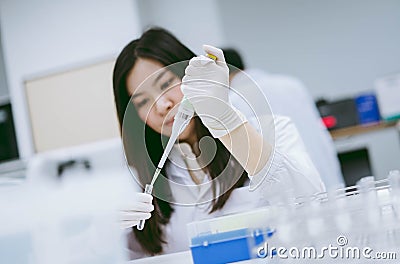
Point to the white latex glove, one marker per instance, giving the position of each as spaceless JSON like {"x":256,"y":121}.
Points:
{"x":206,"y":85}
{"x":140,"y":209}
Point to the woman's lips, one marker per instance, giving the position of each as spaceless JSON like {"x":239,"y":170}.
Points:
{"x":170,"y":118}
{"x":169,"y":122}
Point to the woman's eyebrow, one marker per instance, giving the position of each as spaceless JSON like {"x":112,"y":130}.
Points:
{"x":161,"y":74}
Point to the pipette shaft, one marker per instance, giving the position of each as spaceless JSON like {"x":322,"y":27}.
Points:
{"x":181,"y":120}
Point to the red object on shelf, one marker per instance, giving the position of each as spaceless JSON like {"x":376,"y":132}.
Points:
{"x":329,"y":121}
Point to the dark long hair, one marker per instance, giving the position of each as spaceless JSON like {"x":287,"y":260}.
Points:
{"x":159,"y":45}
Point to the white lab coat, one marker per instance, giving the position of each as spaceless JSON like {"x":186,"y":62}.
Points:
{"x":290,"y":170}
{"x":287,"y":96}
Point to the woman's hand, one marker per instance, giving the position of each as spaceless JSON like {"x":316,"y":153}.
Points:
{"x":140,"y":209}
{"x":206,"y":85}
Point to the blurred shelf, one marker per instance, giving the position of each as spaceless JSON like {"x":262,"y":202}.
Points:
{"x":360,"y":129}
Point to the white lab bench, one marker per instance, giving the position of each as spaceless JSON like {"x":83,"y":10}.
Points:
{"x":184,"y":257}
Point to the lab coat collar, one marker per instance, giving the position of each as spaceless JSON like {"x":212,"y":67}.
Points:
{"x":184,"y":189}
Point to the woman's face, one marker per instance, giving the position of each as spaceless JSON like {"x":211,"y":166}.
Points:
{"x":157,"y":99}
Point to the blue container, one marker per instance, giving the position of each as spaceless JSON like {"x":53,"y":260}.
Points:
{"x":367,"y":108}
{"x":228,"y":246}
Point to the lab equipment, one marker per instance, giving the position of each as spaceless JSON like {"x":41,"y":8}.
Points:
{"x":211,"y":56}
{"x":352,"y":219}
{"x":360,"y":216}
{"x":148,"y":189}
{"x":8,"y":144}
{"x":181,"y":120}
{"x":230,"y":238}
{"x":229,"y":246}
{"x":387,"y":91}
{"x":367,"y":108}
{"x":70,"y":220}
{"x":338,"y":114}
{"x":70,"y":224}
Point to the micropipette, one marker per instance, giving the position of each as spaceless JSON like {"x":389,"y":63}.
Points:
{"x":181,"y":120}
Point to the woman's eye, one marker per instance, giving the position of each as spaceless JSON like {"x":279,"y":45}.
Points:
{"x":141,"y":103}
{"x":167,"y":84}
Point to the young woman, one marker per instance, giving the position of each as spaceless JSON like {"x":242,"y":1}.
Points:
{"x":147,"y":94}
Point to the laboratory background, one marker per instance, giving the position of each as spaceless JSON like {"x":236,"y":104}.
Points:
{"x":62,"y":165}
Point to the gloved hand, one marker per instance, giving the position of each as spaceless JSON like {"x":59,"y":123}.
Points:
{"x":206,"y":85}
{"x":140,"y":209}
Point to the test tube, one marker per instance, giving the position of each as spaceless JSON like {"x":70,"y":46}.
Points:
{"x":366,"y":184}
{"x":147,"y":189}
{"x":394,"y":180}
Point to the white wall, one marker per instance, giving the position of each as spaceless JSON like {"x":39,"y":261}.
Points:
{"x":194,"y":23}
{"x":336,"y":47}
{"x":42,"y":36}
{"x":3,"y":77}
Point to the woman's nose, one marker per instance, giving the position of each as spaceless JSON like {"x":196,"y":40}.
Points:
{"x":164,"y":105}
